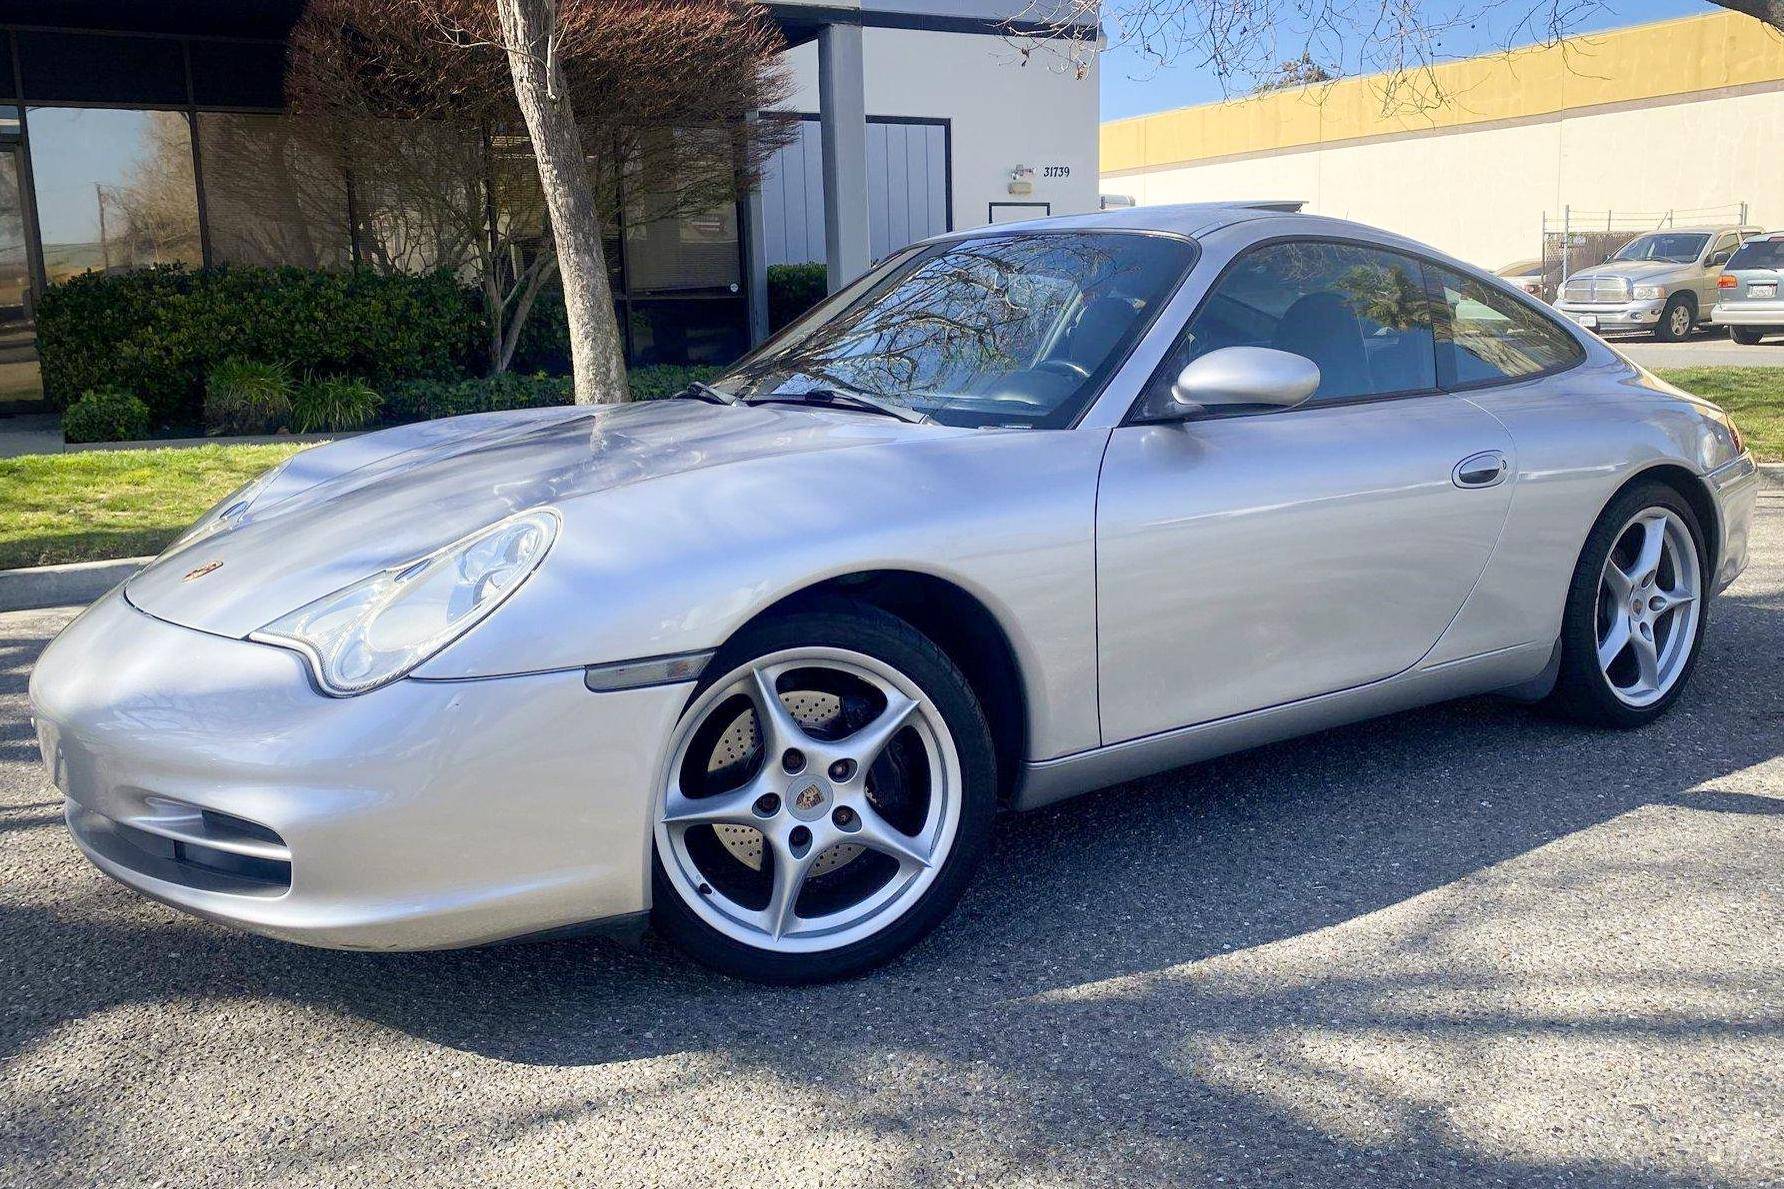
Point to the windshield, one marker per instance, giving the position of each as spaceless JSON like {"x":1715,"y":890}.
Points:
{"x":1002,"y":329}
{"x":1675,"y":246}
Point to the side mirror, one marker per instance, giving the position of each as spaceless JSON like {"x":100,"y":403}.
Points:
{"x":1235,"y":376}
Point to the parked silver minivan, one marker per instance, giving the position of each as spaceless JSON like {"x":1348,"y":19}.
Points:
{"x":1748,"y":301}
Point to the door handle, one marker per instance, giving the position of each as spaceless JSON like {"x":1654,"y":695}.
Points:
{"x":1486,"y":469}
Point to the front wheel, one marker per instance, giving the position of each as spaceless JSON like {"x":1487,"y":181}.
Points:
{"x":829,"y":792}
{"x":1676,"y":320}
{"x":1635,"y":611}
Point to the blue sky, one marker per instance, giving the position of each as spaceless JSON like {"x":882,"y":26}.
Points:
{"x":1132,"y":85}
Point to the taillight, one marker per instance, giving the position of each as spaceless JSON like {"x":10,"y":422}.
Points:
{"x":1727,"y":282}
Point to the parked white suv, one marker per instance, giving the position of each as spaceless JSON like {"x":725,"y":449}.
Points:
{"x":1663,"y":282}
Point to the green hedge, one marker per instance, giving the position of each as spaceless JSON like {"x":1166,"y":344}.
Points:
{"x":792,"y":290}
{"x":423,"y":400}
{"x":157,"y":332}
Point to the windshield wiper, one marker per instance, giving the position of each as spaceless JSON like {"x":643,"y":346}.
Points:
{"x":697,"y":390}
{"x":836,"y":396}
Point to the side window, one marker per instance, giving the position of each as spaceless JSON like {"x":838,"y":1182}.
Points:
{"x":1361,"y":314}
{"x":1484,"y":335}
{"x":1725,"y":246}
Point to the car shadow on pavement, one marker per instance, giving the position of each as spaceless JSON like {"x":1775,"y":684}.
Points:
{"x":1227,"y":956}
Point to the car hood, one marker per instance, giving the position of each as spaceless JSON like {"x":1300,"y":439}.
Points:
{"x":341,"y":512}
{"x":1645,"y":271}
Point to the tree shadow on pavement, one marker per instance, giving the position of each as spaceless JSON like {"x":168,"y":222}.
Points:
{"x":1152,"y":975}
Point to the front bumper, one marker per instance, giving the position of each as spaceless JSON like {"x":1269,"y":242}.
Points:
{"x":206,"y":772}
{"x":1632,"y":315}
{"x":1748,"y":313}
{"x":1735,"y":487}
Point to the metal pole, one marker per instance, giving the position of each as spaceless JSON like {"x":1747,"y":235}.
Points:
{"x":755,"y":257}
{"x":1566,"y":242}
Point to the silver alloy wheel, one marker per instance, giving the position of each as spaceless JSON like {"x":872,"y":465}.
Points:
{"x":1649,"y":597}
{"x":1679,"y":321}
{"x":814,"y":786}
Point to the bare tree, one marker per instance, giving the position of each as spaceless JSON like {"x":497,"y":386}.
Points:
{"x":495,"y":137}
{"x":530,"y":34}
{"x":1248,"y":44}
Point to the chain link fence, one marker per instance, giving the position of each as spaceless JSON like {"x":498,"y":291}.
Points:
{"x":1579,"y":238}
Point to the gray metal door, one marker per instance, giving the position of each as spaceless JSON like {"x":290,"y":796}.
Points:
{"x":907,"y":189}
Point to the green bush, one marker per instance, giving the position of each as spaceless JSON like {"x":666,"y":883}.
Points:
{"x":246,"y":396}
{"x":106,"y":415}
{"x":792,"y":290}
{"x":159,"y":331}
{"x":333,"y":403}
{"x":663,"y":379}
{"x":423,"y":400}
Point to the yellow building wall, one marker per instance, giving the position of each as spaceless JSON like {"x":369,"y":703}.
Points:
{"x":1480,"y":192}
{"x":1666,"y":59}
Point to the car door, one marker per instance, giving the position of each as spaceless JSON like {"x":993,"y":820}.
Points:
{"x":1248,"y":560}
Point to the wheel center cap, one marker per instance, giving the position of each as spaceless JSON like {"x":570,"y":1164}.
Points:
{"x":809,"y":799}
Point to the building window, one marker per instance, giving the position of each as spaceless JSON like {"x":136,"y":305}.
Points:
{"x":114,"y":189}
{"x":686,"y":331}
{"x":272,"y":193}
{"x":690,"y":252}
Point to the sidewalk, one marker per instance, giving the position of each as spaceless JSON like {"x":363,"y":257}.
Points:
{"x":41,"y":433}
{"x":30,"y":433}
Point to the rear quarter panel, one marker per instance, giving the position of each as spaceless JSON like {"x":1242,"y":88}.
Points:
{"x":1580,"y":436}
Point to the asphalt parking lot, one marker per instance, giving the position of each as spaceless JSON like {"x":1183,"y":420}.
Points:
{"x":1465,"y":945}
{"x":1705,"y":348}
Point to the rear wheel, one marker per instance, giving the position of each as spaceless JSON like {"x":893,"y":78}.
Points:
{"x":829,"y":793}
{"x":1676,"y":320}
{"x":1746,"y":336}
{"x":1635,"y":610}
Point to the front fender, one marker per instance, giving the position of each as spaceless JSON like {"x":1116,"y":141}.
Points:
{"x":678,"y":564}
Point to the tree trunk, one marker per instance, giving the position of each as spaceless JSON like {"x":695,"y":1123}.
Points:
{"x":597,"y":354}
{"x":1769,"y":11}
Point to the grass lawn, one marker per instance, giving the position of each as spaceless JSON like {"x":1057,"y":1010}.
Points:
{"x":1753,"y":396}
{"x":115,"y":503}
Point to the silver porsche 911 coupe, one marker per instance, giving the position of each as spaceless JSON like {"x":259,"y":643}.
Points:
{"x":1025,"y":511}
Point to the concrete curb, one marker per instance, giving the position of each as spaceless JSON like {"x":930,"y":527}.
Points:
{"x":62,"y":586}
{"x":281,"y":439}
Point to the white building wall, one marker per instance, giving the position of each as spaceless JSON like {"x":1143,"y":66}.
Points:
{"x":1002,"y":113}
{"x":1480,"y":194}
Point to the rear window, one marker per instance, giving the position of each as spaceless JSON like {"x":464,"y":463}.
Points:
{"x":1759,"y":253}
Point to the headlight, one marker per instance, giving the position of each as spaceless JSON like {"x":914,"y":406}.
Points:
{"x":1650,"y":292}
{"x":228,"y":510}
{"x":376,"y":630}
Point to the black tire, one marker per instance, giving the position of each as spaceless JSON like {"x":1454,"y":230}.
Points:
{"x":1582,"y":691}
{"x":1673,"y":326}
{"x":863,"y":628}
{"x":1746,"y":336}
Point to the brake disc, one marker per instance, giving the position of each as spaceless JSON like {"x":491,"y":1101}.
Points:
{"x":818,"y":713}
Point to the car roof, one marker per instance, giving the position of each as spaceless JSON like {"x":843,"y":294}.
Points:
{"x":1188,"y":218}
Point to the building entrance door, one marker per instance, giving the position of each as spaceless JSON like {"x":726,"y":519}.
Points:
{"x":19,"y":380}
